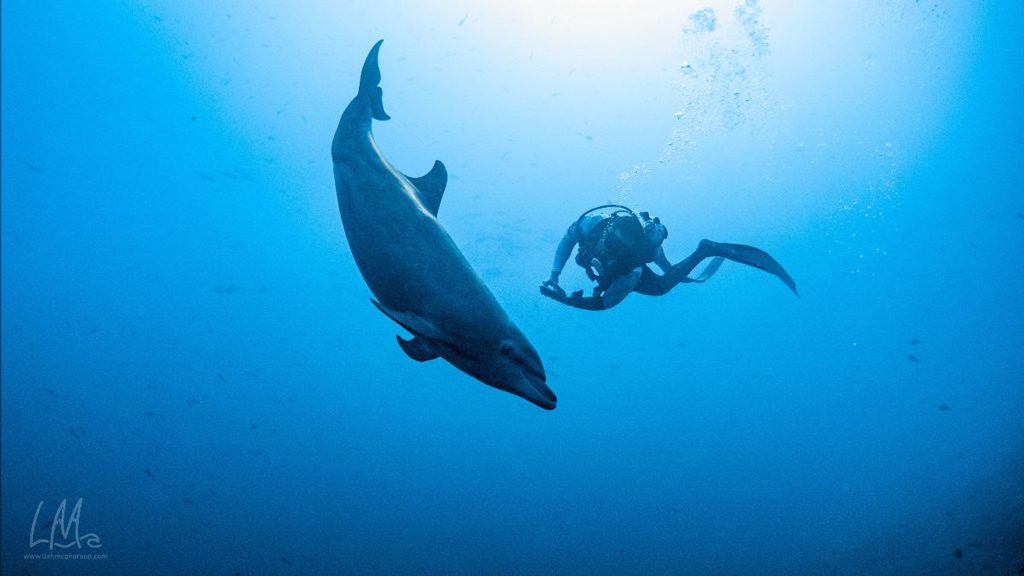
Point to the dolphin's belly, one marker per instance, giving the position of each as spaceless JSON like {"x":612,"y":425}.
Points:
{"x":406,"y":257}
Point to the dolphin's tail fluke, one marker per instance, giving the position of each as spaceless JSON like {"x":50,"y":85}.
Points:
{"x":369,"y":84}
{"x":751,"y":257}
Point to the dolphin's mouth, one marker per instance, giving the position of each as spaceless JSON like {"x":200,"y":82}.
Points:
{"x":536,"y":390}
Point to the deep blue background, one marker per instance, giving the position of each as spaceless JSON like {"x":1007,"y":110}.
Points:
{"x":189,"y":348}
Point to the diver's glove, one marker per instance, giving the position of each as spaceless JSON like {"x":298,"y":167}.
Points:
{"x":552,"y":290}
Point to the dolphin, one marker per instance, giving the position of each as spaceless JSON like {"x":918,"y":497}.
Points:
{"x":415,"y":270}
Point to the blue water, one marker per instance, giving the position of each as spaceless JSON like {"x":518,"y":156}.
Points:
{"x":190,"y":351}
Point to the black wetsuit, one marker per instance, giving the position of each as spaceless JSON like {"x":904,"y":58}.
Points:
{"x":653,"y":284}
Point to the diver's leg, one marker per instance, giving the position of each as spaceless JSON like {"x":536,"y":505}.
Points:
{"x":653,"y":284}
{"x":619,"y":288}
{"x":683,"y":268}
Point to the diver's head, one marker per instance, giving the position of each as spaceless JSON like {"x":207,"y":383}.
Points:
{"x":624,"y":233}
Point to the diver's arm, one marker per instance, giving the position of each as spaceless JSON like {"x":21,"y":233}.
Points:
{"x":661,"y":260}
{"x":578,"y":300}
{"x":616,"y":292}
{"x":563,"y":252}
{"x":620,"y":288}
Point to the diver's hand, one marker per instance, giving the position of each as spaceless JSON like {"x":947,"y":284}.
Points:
{"x":552,"y":290}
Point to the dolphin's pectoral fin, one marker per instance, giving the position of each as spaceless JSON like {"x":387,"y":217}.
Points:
{"x":431,"y":186}
{"x":418,"y":348}
{"x":418,"y":325}
{"x":369,"y":81}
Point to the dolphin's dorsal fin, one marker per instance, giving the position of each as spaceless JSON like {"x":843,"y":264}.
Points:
{"x":431,"y":186}
{"x":412,"y":322}
{"x":418,"y":348}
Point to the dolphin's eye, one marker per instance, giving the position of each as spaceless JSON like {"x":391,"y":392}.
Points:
{"x":506,"y":349}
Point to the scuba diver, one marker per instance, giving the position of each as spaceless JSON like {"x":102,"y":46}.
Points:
{"x":616,"y":247}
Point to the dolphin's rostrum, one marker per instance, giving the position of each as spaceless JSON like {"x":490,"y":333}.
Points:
{"x":410,"y":263}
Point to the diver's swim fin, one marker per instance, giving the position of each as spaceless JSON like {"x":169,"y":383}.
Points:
{"x":709,"y":270}
{"x":751,"y":257}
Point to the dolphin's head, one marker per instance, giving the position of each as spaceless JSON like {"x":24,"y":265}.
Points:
{"x":508,"y":362}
